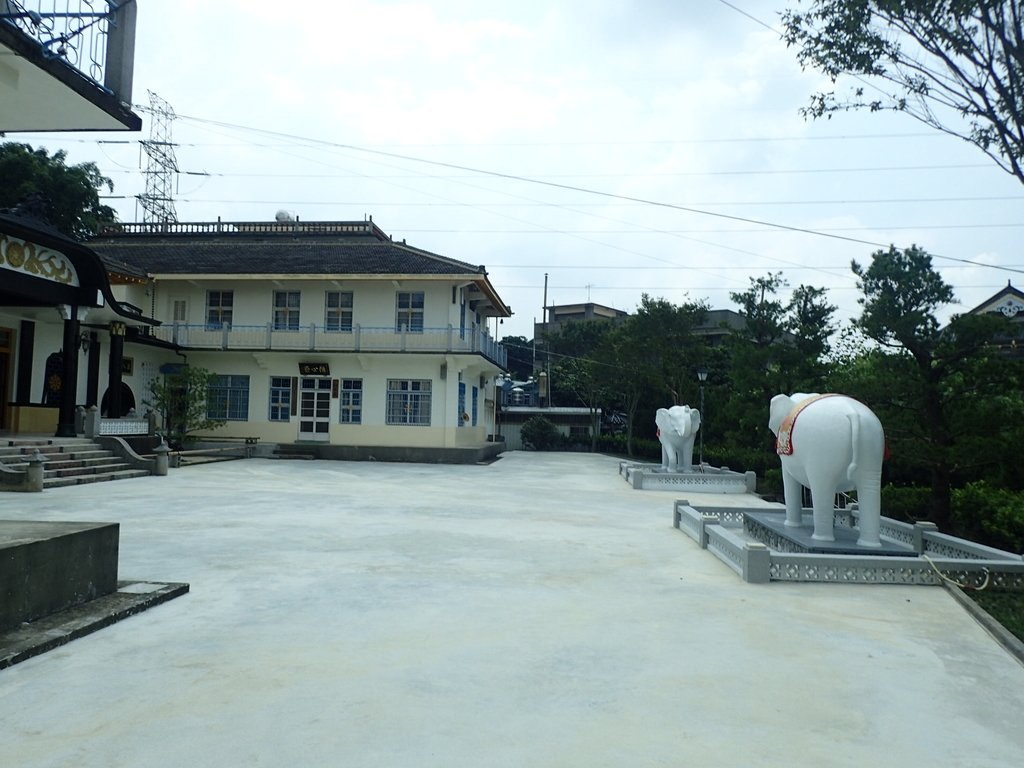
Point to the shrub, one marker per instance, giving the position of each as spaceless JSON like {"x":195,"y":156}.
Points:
{"x":906,"y":504}
{"x":539,"y":434}
{"x":990,"y":515}
{"x":643,"y":448}
{"x":771,"y":484}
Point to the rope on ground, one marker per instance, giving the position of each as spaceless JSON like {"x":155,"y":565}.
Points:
{"x":965,"y":587}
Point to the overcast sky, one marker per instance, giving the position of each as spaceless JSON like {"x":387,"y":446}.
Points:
{"x":338,"y":110}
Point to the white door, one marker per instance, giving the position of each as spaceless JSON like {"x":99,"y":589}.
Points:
{"x":314,"y":409}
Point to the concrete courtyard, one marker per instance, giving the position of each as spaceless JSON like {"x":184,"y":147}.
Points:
{"x":533,"y":612}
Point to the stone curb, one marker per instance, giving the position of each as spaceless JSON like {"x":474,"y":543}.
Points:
{"x":57,"y":629}
{"x":1001,"y":634}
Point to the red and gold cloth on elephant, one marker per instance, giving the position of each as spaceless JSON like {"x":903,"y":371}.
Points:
{"x":784,"y":442}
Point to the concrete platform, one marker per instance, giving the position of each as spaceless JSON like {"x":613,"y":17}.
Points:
{"x":533,"y":612}
{"x":802,"y":539}
{"x":49,"y":566}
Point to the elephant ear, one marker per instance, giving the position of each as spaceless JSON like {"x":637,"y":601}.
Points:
{"x":695,"y":419}
{"x":661,"y":417}
{"x":780,"y":407}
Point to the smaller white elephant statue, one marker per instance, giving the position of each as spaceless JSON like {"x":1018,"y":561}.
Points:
{"x":829,"y":443}
{"x":677,"y":428}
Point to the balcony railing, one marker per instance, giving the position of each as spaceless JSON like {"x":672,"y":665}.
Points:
{"x":313,"y":338}
{"x":95,"y":37}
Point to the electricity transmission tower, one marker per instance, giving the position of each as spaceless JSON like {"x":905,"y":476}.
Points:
{"x":157,"y":202}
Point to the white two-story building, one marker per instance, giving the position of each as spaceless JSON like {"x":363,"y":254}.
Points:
{"x":329,"y":336}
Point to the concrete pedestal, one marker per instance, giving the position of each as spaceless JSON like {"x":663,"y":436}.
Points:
{"x":47,"y":567}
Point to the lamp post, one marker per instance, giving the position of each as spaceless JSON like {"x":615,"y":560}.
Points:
{"x":702,"y":376}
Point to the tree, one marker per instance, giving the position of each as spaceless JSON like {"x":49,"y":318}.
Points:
{"x":520,"y":357}
{"x":654,"y":355}
{"x":181,"y":400}
{"x":577,"y":374}
{"x":955,"y":65}
{"x":780,"y":349}
{"x":72,"y":192}
{"x":937,"y":385}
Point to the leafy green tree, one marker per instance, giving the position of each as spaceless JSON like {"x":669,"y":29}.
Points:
{"x":181,"y":398}
{"x":577,"y":373}
{"x":955,"y":65}
{"x":520,"y":357}
{"x":72,"y":191}
{"x":781,"y":348}
{"x":935,"y":383}
{"x":653,"y":357}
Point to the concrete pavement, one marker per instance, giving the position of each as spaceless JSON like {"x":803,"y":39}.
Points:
{"x":533,"y":612}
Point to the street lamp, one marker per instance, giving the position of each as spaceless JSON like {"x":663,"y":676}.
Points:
{"x":702,"y":376}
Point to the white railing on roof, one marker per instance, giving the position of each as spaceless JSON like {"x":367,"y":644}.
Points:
{"x":314,"y":338}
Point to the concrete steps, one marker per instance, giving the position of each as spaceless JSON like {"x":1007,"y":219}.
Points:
{"x":69,"y":461}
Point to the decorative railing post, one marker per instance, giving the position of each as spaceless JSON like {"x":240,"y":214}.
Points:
{"x":160,"y":464}
{"x":921,"y":529}
{"x":92,"y":422}
{"x":312,"y":336}
{"x":448,"y":344}
{"x":224,"y":329}
{"x":358,"y":331}
{"x":757,"y":561}
{"x":35,"y":471}
{"x":270,"y":335}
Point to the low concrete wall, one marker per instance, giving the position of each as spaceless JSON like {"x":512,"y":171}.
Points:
{"x":46,"y":567}
{"x":466,"y":455}
{"x":705,"y":479}
{"x":120,"y":448}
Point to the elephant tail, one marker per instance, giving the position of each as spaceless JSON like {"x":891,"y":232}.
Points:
{"x":854,"y":436}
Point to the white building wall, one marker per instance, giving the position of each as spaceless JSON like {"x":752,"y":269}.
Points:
{"x":374,"y":302}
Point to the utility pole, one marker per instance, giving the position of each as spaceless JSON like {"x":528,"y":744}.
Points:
{"x":157,"y":202}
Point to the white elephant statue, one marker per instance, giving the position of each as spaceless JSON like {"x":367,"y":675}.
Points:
{"x":829,"y":443}
{"x":677,"y":428}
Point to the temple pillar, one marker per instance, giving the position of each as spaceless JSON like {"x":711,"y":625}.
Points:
{"x":115,"y":367}
{"x":26,"y":351}
{"x":92,"y":386}
{"x":69,"y":374}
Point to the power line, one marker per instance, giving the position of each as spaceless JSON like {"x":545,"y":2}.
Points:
{"x":535,"y":204}
{"x":575,"y":188}
{"x":667,"y":174}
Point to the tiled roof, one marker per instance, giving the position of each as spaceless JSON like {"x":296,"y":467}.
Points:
{"x":285,"y":253}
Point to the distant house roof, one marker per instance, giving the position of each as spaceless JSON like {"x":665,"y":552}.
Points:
{"x":1008,"y":301}
{"x":260,"y":249}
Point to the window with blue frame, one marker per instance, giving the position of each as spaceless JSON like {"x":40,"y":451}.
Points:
{"x":462,"y":315}
{"x":220,"y":307}
{"x":280,"y":398}
{"x":476,"y":402}
{"x":351,"y":401}
{"x":462,"y":404}
{"x":338,"y":311}
{"x":227,"y":398}
{"x":409,"y":311}
{"x":408,"y":402}
{"x":286,"y":310}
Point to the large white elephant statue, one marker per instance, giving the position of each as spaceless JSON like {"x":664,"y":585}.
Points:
{"x":677,"y":428}
{"x":829,"y":443}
